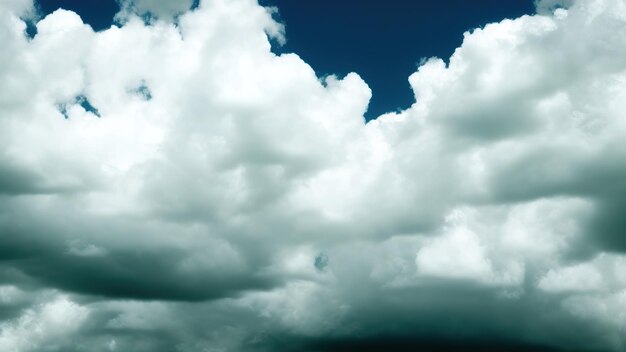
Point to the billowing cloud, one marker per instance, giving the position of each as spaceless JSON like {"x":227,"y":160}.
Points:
{"x":174,"y":185}
{"x":158,"y":9}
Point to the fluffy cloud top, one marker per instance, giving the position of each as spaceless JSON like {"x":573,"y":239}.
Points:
{"x":174,"y":185}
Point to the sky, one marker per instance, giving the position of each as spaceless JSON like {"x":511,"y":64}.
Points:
{"x":339,"y":37}
{"x":224,"y":175}
{"x":384,"y":44}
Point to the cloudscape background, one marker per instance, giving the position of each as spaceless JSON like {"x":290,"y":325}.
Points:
{"x":172,"y":183}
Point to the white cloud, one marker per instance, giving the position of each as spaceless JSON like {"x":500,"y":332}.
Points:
{"x":217,"y":171}
{"x":457,"y":254}
{"x":575,"y":278}
{"x":43,"y":327}
{"x":161,"y":9}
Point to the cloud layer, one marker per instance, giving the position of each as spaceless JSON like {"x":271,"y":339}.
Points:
{"x":176,"y":186}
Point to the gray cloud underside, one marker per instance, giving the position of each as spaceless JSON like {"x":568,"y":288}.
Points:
{"x":176,"y":186}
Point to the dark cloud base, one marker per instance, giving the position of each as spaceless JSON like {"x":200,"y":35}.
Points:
{"x":407,"y":344}
{"x":172,"y":184}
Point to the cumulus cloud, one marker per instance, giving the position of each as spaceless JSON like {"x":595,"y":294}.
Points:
{"x":174,"y":185}
{"x":44,"y":327}
{"x":160,"y":9}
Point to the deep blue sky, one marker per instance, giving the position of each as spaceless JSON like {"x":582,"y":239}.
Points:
{"x":380,"y":40}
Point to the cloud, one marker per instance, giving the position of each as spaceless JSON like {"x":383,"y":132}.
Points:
{"x":45,"y":326}
{"x":174,"y":185}
{"x":160,"y":9}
